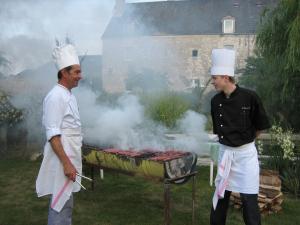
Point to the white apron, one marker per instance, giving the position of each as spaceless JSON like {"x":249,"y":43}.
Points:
{"x":238,"y":171}
{"x":51,"y":178}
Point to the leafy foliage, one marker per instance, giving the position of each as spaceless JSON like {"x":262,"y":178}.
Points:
{"x":274,"y":71}
{"x":166,"y":108}
{"x":8,"y":114}
{"x":283,"y":157}
{"x":279,"y":35}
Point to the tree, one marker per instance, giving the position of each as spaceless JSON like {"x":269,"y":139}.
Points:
{"x":4,"y":63}
{"x":274,"y":71}
{"x":279,"y":35}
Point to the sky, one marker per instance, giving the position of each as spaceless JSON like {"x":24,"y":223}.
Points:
{"x":29,"y":28}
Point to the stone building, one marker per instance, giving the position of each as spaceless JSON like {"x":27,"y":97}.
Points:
{"x":175,"y":39}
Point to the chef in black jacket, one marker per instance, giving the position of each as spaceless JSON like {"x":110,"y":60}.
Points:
{"x":238,"y":117}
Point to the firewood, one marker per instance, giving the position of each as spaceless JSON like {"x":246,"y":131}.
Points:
{"x":276,"y":208}
{"x":265,"y":172}
{"x":269,"y":193}
{"x":270,"y":187}
{"x":270,"y":196}
{"x":237,"y":206}
{"x":265,"y":200}
{"x":260,"y":195}
{"x":270,"y":178}
{"x":234,"y":194}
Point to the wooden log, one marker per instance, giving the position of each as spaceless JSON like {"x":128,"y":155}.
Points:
{"x":270,"y":187}
{"x":237,"y":206}
{"x":234,"y":194}
{"x":269,"y":193}
{"x":262,"y":206}
{"x":270,"y":177}
{"x":270,"y":196}
{"x":260,"y":195}
{"x":265,"y":200}
{"x":279,"y":201}
{"x":276,"y":208}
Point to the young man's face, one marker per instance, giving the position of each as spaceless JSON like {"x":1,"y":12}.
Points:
{"x":220,"y":82}
{"x":73,"y":76}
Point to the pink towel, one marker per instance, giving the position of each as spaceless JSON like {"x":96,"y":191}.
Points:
{"x":222,"y":177}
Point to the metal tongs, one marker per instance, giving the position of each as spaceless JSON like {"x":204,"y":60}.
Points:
{"x":87,"y":178}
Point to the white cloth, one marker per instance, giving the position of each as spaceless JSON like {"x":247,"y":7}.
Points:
{"x":60,"y":111}
{"x":223,"y":61}
{"x":65,"y":122}
{"x":65,"y":56}
{"x":238,"y":171}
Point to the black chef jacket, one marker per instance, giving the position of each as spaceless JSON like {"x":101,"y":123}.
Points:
{"x":237,"y":118}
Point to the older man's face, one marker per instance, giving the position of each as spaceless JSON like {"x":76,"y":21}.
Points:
{"x":73,"y":76}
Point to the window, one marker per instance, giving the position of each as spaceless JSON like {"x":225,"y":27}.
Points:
{"x":228,"y":25}
{"x":236,"y":4}
{"x":195,"y":83}
{"x":229,"y":46}
{"x":195,"y":53}
{"x":259,"y":3}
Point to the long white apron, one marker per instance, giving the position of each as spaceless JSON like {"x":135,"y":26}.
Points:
{"x":238,"y":171}
{"x":51,"y":178}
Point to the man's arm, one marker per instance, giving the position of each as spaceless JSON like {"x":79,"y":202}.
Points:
{"x":57,"y":147}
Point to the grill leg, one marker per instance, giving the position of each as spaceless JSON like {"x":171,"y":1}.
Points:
{"x":193,"y":199}
{"x":93,"y":177}
{"x":167,"y":187}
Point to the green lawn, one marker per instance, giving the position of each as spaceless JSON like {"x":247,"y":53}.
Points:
{"x":117,"y":200}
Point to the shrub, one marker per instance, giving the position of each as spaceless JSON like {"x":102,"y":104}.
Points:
{"x":166,"y":108}
{"x":282,"y":158}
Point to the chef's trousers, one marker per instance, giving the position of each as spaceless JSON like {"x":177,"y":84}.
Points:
{"x":251,"y":213}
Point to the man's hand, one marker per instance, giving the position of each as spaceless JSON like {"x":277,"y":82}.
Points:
{"x":69,"y":169}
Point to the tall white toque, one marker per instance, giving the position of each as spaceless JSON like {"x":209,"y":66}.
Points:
{"x":223,"y":61}
{"x":65,"y":56}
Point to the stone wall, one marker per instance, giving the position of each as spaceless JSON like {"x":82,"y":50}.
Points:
{"x":168,"y":55}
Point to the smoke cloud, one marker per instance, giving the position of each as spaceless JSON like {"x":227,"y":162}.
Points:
{"x":29,"y":28}
{"x":27,"y":37}
{"x":125,"y":126}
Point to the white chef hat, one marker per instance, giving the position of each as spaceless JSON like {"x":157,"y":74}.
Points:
{"x":223,"y":61}
{"x":65,"y":56}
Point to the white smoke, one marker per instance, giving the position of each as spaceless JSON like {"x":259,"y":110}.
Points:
{"x":29,"y":28}
{"x":195,"y":138}
{"x":125,"y":126}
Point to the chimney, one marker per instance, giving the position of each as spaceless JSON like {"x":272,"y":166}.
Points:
{"x":119,"y":8}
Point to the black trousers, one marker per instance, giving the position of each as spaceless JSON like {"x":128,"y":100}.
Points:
{"x":251,"y":214}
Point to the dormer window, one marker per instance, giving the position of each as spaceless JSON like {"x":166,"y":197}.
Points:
{"x":228,"y":25}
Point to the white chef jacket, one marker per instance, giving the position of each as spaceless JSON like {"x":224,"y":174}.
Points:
{"x":60,"y":117}
{"x":60,"y":111}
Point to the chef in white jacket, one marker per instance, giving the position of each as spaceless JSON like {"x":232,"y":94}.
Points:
{"x":62,"y":151}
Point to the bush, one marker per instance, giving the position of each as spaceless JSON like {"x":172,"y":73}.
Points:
{"x":290,"y":178}
{"x":166,"y":108}
{"x":282,"y":157}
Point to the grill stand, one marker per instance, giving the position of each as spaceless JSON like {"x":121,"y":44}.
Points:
{"x":167,"y":196}
{"x":167,"y":192}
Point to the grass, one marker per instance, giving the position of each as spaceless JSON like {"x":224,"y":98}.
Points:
{"x":118,"y":200}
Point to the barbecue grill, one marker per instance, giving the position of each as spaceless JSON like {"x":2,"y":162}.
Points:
{"x":170,"y":166}
{"x":149,"y":163}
